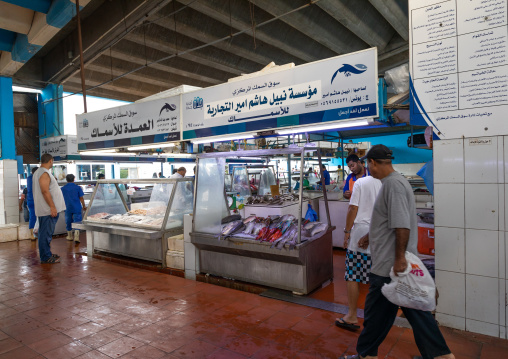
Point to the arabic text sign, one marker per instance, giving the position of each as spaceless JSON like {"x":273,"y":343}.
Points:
{"x":152,"y":121}
{"x":459,"y":66}
{"x":59,"y":146}
{"x":340,"y":88}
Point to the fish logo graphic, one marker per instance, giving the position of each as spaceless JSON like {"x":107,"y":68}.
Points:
{"x":350,"y":69}
{"x":197,"y":102}
{"x":167,"y":107}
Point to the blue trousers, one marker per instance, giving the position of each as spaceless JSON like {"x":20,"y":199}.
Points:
{"x":26,"y":215}
{"x":32,"y":216}
{"x":46,"y":230}
{"x":71,"y":218}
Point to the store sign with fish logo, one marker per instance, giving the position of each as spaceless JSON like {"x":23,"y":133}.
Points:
{"x":144,"y":122}
{"x":335,"y":89}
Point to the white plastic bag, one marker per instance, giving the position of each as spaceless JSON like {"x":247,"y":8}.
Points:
{"x":414,"y":288}
{"x":36,"y":227}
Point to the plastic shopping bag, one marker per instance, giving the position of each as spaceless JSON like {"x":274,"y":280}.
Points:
{"x":36,"y":228}
{"x":311,"y":215}
{"x":414,"y":288}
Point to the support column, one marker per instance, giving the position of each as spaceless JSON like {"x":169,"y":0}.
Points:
{"x":51,"y":112}
{"x":9,"y":210}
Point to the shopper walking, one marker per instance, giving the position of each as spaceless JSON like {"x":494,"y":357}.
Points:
{"x":393,"y":231}
{"x":48,"y":202}
{"x":32,"y":218}
{"x":180,"y":173}
{"x":358,"y":260}
{"x":75,"y":204}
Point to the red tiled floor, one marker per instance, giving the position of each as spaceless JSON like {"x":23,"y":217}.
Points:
{"x":94,"y":309}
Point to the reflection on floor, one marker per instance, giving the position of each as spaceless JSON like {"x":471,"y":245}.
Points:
{"x":336,"y":291}
{"x":90,"y":308}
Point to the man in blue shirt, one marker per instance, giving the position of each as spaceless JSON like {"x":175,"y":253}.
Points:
{"x":357,"y":171}
{"x":326,"y":175}
{"x":73,"y":197}
{"x":31,"y":204}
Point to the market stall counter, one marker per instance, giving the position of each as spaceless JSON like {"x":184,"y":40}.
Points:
{"x":281,"y":251}
{"x":142,"y":232}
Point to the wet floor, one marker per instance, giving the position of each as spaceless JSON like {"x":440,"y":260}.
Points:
{"x":90,"y":308}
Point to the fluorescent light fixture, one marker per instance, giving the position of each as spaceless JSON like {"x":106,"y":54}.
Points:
{"x":25,"y":89}
{"x":332,"y":126}
{"x":148,"y":147}
{"x":98,"y":152}
{"x":178,"y":155}
{"x":110,"y":154}
{"x":223,"y":138}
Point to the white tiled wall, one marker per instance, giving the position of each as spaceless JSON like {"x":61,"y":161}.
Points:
{"x":9,"y":207}
{"x":471,"y":194}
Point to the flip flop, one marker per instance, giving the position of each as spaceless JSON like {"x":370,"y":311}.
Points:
{"x":356,"y":356}
{"x":341,"y":323}
{"x":55,"y":256}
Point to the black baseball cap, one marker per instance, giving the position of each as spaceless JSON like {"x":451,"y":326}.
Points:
{"x":378,"y":152}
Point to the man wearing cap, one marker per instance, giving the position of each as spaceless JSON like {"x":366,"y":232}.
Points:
{"x":357,"y":171}
{"x":393,"y":231}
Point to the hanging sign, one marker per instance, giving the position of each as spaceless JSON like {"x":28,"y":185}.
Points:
{"x":135,"y":124}
{"x":459,"y":66}
{"x":59,"y":146}
{"x":335,"y":89}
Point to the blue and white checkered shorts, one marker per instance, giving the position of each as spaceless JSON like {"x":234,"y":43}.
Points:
{"x":357,"y":267}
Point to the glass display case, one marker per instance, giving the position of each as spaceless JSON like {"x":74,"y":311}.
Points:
{"x":277,"y":250}
{"x":140,"y":229}
{"x":170,"y":199}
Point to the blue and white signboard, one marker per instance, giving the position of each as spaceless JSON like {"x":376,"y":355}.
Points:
{"x":331,"y":90}
{"x":459,"y":66}
{"x":135,"y":124}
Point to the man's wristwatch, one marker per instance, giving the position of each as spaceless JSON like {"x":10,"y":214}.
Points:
{"x":346,"y":231}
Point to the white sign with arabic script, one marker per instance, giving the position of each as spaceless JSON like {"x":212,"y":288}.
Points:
{"x":459,"y":66}
{"x":159,"y":118}
{"x":339,"y":88}
{"x":59,"y":146}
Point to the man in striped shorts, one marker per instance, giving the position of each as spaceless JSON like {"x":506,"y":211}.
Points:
{"x":358,"y":260}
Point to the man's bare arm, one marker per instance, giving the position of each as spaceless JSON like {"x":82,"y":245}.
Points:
{"x":401,"y":241}
{"x":352,"y":211}
{"x":44,"y":182}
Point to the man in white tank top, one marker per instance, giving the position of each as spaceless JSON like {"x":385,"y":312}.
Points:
{"x":48,"y":203}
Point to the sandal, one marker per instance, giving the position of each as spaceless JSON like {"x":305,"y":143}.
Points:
{"x":54,"y":255}
{"x":356,"y":356}
{"x":340,"y":322}
{"x":51,"y":260}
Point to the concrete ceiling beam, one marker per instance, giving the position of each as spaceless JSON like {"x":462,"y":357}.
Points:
{"x":315,"y":23}
{"x":237,"y":14}
{"x":15,"y":18}
{"x":362,"y":19}
{"x":395,"y":12}
{"x":138,"y":59}
{"x":136,"y":76}
{"x":200,"y":27}
{"x":103,"y":27}
{"x":121,"y":85}
{"x":170,"y":49}
{"x":101,"y":92}
{"x":123,"y":66}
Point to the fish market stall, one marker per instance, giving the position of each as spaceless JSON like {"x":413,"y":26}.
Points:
{"x":281,"y":251}
{"x":142,"y":232}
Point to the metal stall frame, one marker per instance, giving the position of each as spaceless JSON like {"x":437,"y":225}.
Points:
{"x":301,"y":270}
{"x":114,"y":237}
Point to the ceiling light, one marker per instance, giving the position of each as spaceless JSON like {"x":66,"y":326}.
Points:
{"x":97,"y":153}
{"x":333,"y":126}
{"x":148,"y":147}
{"x":222,"y":138}
{"x":178,"y":155}
{"x":25,"y":89}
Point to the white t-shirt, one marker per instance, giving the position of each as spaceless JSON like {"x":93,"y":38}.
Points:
{"x":176,"y":175}
{"x":364,"y":196}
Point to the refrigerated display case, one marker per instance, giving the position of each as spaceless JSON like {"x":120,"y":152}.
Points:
{"x":138,"y":230}
{"x":301,"y":265}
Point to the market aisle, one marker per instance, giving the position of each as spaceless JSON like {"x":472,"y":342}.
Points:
{"x":336,"y":292}
{"x":88,"y":308}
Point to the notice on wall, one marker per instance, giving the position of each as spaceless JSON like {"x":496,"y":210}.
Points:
{"x":59,"y":146}
{"x":335,"y":89}
{"x":139,"y":123}
{"x":459,"y":66}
